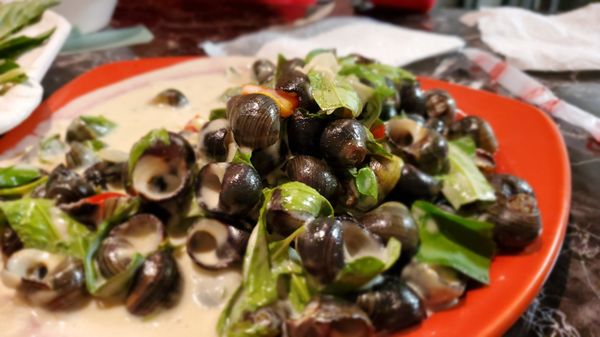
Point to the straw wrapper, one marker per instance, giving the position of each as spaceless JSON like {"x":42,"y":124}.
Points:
{"x":528,"y":89}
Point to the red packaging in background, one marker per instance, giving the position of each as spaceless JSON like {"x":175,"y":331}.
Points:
{"x":413,"y":5}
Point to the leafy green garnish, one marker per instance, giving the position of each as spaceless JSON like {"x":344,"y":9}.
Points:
{"x":311,"y":54}
{"x":466,"y":144}
{"x":242,"y":157}
{"x":22,"y":190}
{"x":298,"y":197}
{"x":94,"y":144}
{"x":151,"y":138}
{"x":265,"y":263}
{"x":41,"y":225}
{"x":98,"y":124}
{"x":14,"y":176}
{"x":95,"y":283}
{"x":464,"y":183}
{"x":15,"y":47}
{"x":10,"y":74}
{"x":18,"y":14}
{"x":363,"y":270}
{"x":220,"y":113}
{"x":332,"y":92}
{"x":453,"y":241}
{"x":366,"y":182}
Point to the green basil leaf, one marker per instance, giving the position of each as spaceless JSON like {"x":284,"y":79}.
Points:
{"x":95,"y":283}
{"x":41,"y":225}
{"x":361,"y":271}
{"x":226,"y":317}
{"x":22,"y":190}
{"x":242,"y":157}
{"x":151,"y":138}
{"x":300,"y":293}
{"x":464,"y":183}
{"x":375,"y":147}
{"x":98,"y":124}
{"x":333,"y":92}
{"x":94,"y":144}
{"x":298,"y":197}
{"x":18,"y":14}
{"x":366,"y":182}
{"x":463,"y":244}
{"x":15,"y":47}
{"x":466,"y":144}
{"x":14,"y":176}
{"x":260,"y":286}
{"x":220,"y":113}
{"x":10,"y":74}
{"x":311,"y":54}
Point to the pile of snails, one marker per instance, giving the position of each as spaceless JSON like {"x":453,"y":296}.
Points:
{"x":202,"y":169}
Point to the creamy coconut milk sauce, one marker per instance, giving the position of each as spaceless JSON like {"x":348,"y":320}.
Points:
{"x":204,"y":293}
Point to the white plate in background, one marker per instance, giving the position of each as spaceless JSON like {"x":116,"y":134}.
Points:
{"x":19,"y":102}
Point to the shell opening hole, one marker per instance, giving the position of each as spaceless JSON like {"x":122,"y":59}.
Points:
{"x":38,"y":271}
{"x":157,"y":178}
{"x":358,"y":243}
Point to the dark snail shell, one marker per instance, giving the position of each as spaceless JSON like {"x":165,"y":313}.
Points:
{"x":344,"y":143}
{"x":393,"y":220}
{"x":387,"y":170}
{"x":321,"y":248}
{"x":485,"y":161}
{"x":423,"y":147}
{"x":412,"y":98}
{"x":268,"y":159}
{"x":215,"y":245}
{"x":215,"y":139}
{"x":156,"y":284}
{"x":415,"y":184}
{"x":440,"y":105}
{"x":170,"y":97}
{"x":304,"y":133}
{"x":263,"y":70}
{"x":45,"y":279}
{"x":66,"y":186}
{"x":507,"y":185}
{"x":79,"y":131}
{"x":314,"y":173}
{"x":439,"y":287}
{"x":327,"y":316}
{"x":329,"y":243}
{"x":438,"y":125}
{"x":230,"y":189}
{"x":142,"y":233}
{"x":163,"y":171}
{"x":480,"y":130}
{"x":515,"y":213}
{"x":92,"y":213}
{"x":282,"y":221}
{"x":80,"y":155}
{"x":388,"y":110}
{"x":9,"y":241}
{"x":392,"y":305}
{"x":254,"y":120}
{"x":104,"y":174}
{"x":291,"y":79}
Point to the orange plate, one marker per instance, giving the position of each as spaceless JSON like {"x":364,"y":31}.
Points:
{"x":530,"y":147}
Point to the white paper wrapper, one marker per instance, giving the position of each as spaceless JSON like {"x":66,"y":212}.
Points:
{"x":564,"y":42}
{"x":387,"y":43}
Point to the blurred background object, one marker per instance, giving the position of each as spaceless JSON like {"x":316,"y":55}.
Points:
{"x":87,"y":16}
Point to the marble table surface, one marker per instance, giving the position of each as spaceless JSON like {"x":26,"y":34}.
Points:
{"x":569,"y":304}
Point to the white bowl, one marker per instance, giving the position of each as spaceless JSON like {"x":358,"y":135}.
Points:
{"x":87,"y":15}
